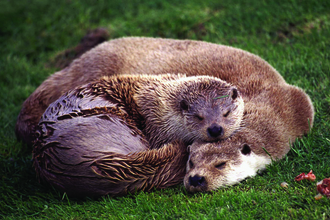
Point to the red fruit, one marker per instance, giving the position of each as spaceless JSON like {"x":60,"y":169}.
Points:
{"x":309,"y":176}
{"x":323,"y":187}
{"x":300,"y":177}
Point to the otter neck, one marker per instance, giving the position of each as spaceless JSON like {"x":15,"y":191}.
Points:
{"x":160,"y":116}
{"x":120,"y":91}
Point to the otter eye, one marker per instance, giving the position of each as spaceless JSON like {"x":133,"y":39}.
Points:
{"x":234,"y":93}
{"x":226,"y":114}
{"x":191,"y":164}
{"x":184,"y":105}
{"x":246,"y":149}
{"x":199,"y":117}
{"x":220,"y":166}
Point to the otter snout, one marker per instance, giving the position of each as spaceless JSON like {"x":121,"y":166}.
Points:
{"x":215,"y":131}
{"x":197,"y":181}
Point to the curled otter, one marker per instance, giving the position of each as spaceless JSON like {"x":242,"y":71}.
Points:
{"x":138,"y":55}
{"x":271,"y":125}
{"x":98,"y":139}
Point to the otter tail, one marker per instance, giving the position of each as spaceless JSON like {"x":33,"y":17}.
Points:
{"x":114,"y":174}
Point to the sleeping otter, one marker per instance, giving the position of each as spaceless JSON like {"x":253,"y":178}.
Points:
{"x":96,"y":139}
{"x":271,"y":125}
{"x":249,"y":73}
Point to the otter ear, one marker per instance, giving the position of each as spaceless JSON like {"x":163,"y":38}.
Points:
{"x":184,"y":105}
{"x":234,"y":93}
{"x":246,"y":150}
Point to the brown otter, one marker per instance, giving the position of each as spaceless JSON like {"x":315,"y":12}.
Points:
{"x":248,"y":72}
{"x":271,"y":124}
{"x":166,"y":108}
{"x":89,"y":141}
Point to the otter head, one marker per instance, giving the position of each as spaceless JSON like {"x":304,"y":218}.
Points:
{"x":191,"y":108}
{"x":210,"y":109}
{"x":214,"y":165}
{"x":205,"y":108}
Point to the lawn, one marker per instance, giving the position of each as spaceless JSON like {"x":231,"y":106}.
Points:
{"x":293,"y":36}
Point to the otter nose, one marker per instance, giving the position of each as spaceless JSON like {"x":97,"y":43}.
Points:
{"x":196,"y":180}
{"x":215,"y":131}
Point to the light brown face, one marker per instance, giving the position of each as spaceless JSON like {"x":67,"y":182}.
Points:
{"x":212,"y":110}
{"x":214,"y":165}
{"x":200,"y":108}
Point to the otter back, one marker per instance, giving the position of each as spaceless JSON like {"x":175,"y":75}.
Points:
{"x":248,"y":72}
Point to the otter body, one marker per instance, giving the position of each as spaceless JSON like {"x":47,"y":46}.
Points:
{"x":253,"y":77}
{"x":270,"y":124}
{"x":134,"y":55}
{"x":95,"y":139}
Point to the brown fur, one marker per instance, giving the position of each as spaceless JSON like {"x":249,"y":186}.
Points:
{"x":270,"y":122}
{"x":253,"y":77}
{"x":87,"y":171}
{"x":248,"y":72}
{"x":165,"y":120}
{"x":89,"y":141}
{"x":154,"y":103}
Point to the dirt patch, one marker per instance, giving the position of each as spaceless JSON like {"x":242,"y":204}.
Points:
{"x":90,"y":40}
{"x":291,"y":30}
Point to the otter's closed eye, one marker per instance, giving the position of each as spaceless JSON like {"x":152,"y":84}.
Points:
{"x":220,"y":166}
{"x":226,"y":114}
{"x":199,"y":117}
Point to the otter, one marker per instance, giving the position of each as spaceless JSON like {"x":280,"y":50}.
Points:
{"x":135,"y":55}
{"x":271,"y":125}
{"x":98,"y":139}
{"x":164,"y":107}
{"x":252,"y":76}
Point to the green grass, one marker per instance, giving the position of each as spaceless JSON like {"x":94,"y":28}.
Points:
{"x":293,"y":36}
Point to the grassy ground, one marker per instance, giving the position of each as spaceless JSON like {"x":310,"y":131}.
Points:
{"x":293,"y":36}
